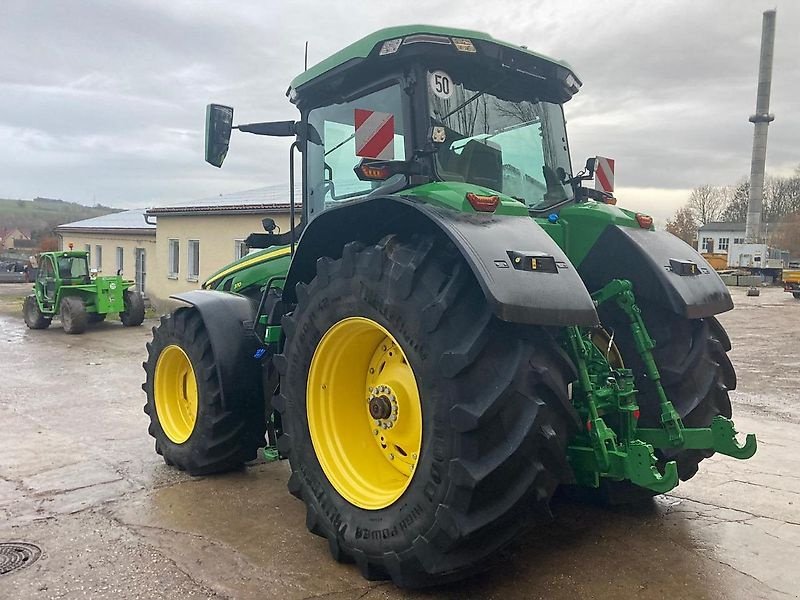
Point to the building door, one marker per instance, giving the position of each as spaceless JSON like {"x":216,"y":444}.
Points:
{"x":745,"y":260}
{"x":141,"y":269}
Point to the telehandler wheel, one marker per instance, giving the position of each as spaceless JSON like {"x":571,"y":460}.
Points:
{"x":74,"y":318}
{"x":696,"y":373}
{"x":796,"y":295}
{"x":192,"y":428}
{"x":34,"y":318}
{"x":133,"y":315}
{"x":422,"y":432}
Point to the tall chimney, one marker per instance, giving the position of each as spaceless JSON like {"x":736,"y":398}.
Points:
{"x":762,"y":118}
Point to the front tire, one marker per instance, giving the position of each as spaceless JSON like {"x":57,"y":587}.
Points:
{"x":74,"y":318}
{"x":796,"y":295}
{"x":490,"y":398}
{"x":133,"y":315}
{"x":34,"y":318}
{"x":193,"y":430}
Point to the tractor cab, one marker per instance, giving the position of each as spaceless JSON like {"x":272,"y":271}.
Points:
{"x":62,"y":268}
{"x":414,"y":105}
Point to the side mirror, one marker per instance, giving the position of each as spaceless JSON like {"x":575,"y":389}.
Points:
{"x":590,"y":165}
{"x":219,"y":121}
{"x":269,"y":224}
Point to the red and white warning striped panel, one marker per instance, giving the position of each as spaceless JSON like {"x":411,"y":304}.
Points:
{"x":374,"y":134}
{"x":604,"y":174}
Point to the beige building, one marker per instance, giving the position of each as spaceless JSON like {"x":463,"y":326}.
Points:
{"x":196,"y":239}
{"x":121,"y":242}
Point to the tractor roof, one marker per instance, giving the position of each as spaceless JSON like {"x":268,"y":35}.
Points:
{"x":363,"y":48}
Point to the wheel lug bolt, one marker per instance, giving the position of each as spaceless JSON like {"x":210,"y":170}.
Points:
{"x":391,"y":457}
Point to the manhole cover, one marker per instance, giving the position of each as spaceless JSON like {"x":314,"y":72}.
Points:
{"x":16,"y":555}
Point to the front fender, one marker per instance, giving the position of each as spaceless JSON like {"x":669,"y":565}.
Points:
{"x":228,"y":319}
{"x":487,"y":242}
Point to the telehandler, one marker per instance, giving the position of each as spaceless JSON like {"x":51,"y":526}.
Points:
{"x":65,"y":287}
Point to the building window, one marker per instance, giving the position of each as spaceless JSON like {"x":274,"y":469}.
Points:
{"x":120,"y":259}
{"x":98,"y":257}
{"x":239,"y":249}
{"x":723,"y":244}
{"x":194,"y":260}
{"x":738,"y":240}
{"x":173,"y":259}
{"x":708,"y":243}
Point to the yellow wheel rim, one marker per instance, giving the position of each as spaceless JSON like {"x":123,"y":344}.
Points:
{"x":364,"y":413}
{"x":175,"y":390}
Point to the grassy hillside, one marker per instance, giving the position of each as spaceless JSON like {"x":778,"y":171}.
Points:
{"x":40,"y":215}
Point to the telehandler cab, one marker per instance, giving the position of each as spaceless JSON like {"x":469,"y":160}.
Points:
{"x":65,"y":287}
{"x":455,"y":327}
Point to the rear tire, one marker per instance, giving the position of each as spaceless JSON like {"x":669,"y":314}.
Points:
{"x":34,"y":318}
{"x":207,"y":437}
{"x":696,"y":374}
{"x":495,"y":414}
{"x":133,"y":315}
{"x":74,"y":318}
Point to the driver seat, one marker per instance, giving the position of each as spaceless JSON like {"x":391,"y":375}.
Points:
{"x":482,"y":164}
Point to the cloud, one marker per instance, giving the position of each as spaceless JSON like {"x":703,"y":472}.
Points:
{"x":104,"y":101}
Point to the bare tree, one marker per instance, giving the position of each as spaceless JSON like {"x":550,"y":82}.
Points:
{"x":683,"y":225}
{"x":707,"y":203}
{"x":736,"y":210}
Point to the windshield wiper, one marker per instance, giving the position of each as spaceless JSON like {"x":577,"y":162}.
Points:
{"x":474,"y":97}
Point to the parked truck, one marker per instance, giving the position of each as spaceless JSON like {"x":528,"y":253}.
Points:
{"x":456,"y":327}
{"x":791,"y":282}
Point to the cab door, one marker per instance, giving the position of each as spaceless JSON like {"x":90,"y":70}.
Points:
{"x":47,"y":280}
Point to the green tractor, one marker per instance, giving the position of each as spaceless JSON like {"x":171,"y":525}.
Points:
{"x":455,"y":327}
{"x":66,"y":288}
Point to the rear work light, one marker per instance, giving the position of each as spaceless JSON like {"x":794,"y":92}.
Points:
{"x":390,"y":46}
{"x":463,"y":45}
{"x":483,"y":203}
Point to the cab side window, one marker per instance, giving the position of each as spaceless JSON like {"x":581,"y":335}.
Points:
{"x":371,"y":127}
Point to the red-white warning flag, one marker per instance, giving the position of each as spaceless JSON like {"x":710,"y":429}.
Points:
{"x":604,"y":174}
{"x":374,"y":134}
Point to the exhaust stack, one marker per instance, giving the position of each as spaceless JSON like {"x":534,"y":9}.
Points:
{"x":761,"y":119}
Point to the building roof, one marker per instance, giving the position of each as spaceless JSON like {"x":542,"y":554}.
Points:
{"x":129,"y":221}
{"x":725,"y":226}
{"x":269,"y":199}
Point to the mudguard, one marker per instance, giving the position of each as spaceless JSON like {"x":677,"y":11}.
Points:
{"x":228,"y":318}
{"x":491,"y":245}
{"x":659,"y":265}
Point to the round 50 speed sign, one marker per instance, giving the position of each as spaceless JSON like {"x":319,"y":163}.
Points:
{"x":441,"y":84}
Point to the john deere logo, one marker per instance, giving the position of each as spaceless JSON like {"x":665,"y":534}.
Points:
{"x":113,"y":286}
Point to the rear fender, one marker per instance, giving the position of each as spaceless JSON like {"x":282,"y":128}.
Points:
{"x":485,"y":241}
{"x":228,"y":319}
{"x":644,"y":257}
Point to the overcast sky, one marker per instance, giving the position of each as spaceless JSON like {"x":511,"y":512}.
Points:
{"x":103,"y":101}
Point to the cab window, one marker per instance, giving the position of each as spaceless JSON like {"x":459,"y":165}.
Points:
{"x":370,"y":127}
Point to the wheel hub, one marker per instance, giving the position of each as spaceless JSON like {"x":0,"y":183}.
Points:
{"x":380,"y":407}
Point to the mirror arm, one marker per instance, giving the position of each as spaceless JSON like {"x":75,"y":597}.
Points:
{"x":272,"y":128}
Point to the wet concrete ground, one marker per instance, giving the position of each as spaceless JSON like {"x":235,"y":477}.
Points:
{"x":78,"y":476}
